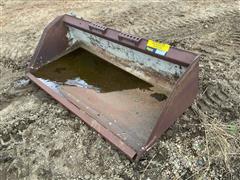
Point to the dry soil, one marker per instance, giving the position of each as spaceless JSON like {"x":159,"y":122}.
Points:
{"x":39,"y":139}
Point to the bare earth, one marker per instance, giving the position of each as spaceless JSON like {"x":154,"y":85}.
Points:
{"x":39,"y":139}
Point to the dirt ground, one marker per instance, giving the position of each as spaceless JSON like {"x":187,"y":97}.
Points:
{"x":39,"y":139}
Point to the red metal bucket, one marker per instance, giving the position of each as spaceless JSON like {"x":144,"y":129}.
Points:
{"x":131,"y":114}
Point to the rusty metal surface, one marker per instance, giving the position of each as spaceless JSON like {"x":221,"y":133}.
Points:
{"x":130,"y":114}
{"x":174,"y":55}
{"x":54,"y":43}
{"x":180,"y":99}
{"x":112,"y":138}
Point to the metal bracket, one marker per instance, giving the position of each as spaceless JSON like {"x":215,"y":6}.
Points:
{"x":129,"y":37}
{"x":98,"y":27}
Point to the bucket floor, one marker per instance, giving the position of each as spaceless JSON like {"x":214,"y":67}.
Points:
{"x":130,"y":114}
{"x":121,"y":102}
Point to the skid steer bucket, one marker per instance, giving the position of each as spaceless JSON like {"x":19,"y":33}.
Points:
{"x":129,"y":89}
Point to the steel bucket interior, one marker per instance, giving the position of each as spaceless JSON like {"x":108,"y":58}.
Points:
{"x":107,"y":78}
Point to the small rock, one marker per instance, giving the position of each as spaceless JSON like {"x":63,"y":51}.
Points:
{"x":21,"y":83}
{"x":87,"y":176}
{"x":200,"y":162}
{"x":55,"y":153}
{"x":169,"y":132}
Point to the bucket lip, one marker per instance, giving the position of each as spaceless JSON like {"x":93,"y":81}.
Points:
{"x":91,"y":122}
{"x":174,"y":55}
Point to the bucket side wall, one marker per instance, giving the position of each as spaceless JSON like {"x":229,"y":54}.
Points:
{"x":183,"y":95}
{"x":53,"y":42}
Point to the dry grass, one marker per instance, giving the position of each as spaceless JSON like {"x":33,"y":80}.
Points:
{"x":222,"y":142}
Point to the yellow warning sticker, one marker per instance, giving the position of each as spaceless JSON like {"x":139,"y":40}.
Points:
{"x":158,"y":46}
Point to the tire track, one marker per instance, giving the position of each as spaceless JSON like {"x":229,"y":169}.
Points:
{"x":206,"y":27}
{"x":156,"y":23}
